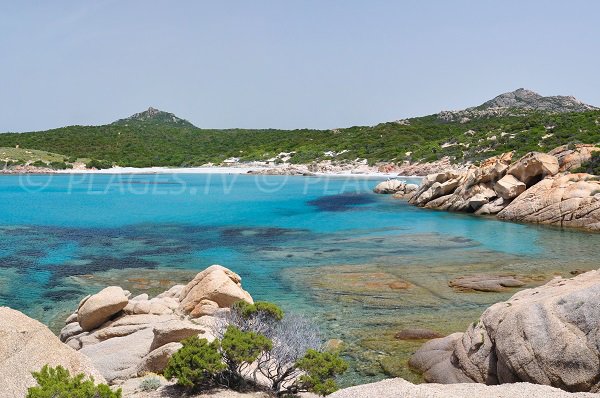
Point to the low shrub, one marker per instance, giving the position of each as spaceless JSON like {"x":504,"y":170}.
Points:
{"x":150,"y":383}
{"x":98,"y":164}
{"x":58,"y":383}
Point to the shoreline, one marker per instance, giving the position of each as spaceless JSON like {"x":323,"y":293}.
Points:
{"x":249,"y":170}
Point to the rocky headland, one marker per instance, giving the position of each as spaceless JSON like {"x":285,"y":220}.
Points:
{"x":537,"y":188}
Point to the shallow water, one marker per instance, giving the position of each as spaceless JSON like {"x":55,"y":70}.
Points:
{"x":362,"y":265}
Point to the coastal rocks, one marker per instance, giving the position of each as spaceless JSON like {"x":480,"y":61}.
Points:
{"x":389,"y":187}
{"x":534,"y":167}
{"x":400,"y":189}
{"x":485,"y":283}
{"x":26,"y":346}
{"x":572,"y":157}
{"x":571,"y":200}
{"x":217,"y":284}
{"x":509,"y":187}
{"x":546,"y":335}
{"x":140,"y":334}
{"x":97,"y":309}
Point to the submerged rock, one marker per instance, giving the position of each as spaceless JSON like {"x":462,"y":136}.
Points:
{"x":417,"y":334}
{"x":547,"y":335}
{"x":485,"y":283}
{"x":26,"y":346}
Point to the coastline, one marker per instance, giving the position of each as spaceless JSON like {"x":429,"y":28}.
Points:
{"x":250,"y":170}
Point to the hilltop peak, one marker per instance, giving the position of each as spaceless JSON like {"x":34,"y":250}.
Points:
{"x":516,"y":103}
{"x":155,"y":115}
{"x":530,"y":100}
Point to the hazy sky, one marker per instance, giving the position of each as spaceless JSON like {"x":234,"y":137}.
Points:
{"x":285,"y":63}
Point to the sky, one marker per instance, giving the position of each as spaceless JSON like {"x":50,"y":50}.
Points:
{"x":286,"y":64}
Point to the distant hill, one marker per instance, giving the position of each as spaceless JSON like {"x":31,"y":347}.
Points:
{"x":152,"y":115}
{"x":518,"y":103}
{"x":521,"y":121}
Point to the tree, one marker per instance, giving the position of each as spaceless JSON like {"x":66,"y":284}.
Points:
{"x":58,"y":383}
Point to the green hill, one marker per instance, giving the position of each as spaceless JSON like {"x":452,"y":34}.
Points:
{"x":156,"y":138}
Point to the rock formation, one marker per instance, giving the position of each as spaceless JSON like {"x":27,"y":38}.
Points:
{"x":571,"y":158}
{"x":26,"y":346}
{"x":397,"y":187}
{"x":531,"y":189}
{"x":546,"y":335}
{"x":125,"y":337}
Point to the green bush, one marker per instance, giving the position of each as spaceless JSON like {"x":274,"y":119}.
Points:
{"x":248,"y":310}
{"x":58,"y":383}
{"x":98,"y":164}
{"x":242,"y":348}
{"x":39,"y":163}
{"x":60,"y":166}
{"x":196,"y":364}
{"x":321,"y":369}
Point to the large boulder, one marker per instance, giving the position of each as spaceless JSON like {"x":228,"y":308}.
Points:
{"x":389,"y":187}
{"x":546,"y":335}
{"x":533,"y":167}
{"x":26,"y":346}
{"x":509,"y":187}
{"x":572,"y":200}
{"x":100,"y":307}
{"x":216,"y":283}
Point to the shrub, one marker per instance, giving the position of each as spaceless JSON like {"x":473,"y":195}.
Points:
{"x":39,"y":163}
{"x":58,"y":383}
{"x":248,"y":310}
{"x":150,"y":383}
{"x":321,"y":369}
{"x":98,"y":164}
{"x":60,"y":166}
{"x":291,"y":337}
{"x":241,"y":348}
{"x":196,"y":364}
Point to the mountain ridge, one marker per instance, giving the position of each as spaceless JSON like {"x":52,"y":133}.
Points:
{"x":518,"y":103}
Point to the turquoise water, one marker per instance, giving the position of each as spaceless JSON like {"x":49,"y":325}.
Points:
{"x":326,"y":247}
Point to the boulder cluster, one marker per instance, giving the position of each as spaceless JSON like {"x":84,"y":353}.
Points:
{"x":125,"y":337}
{"x":546,"y":335}
{"x":537,"y":188}
{"x":396,"y":187}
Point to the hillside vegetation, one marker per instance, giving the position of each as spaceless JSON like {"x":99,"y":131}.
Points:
{"x":155,"y":138}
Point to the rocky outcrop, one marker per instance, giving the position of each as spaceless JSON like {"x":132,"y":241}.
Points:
{"x":534,"y":167}
{"x":26,"y":346}
{"x":528,"y":190}
{"x":572,"y":157}
{"x":399,"y":188}
{"x":571,"y":200}
{"x":128,"y":337}
{"x":546,"y":335}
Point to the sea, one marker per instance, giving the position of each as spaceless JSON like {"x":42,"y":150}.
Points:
{"x":362,"y":266}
